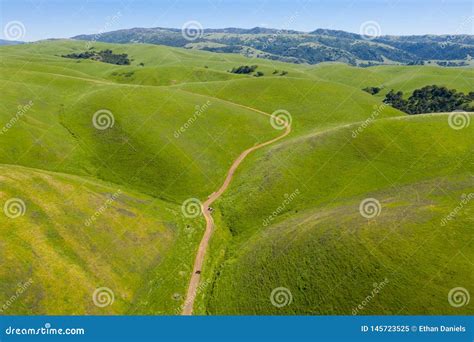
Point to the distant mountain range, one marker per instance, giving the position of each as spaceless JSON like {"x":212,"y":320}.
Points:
{"x":300,"y":47}
{"x":10,"y":42}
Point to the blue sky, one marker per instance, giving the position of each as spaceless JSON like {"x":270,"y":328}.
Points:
{"x":59,"y":19}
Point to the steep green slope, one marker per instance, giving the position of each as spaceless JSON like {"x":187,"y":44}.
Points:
{"x":331,"y":259}
{"x":164,"y":142}
{"x":408,"y":79}
{"x":293,"y":212}
{"x":62,"y":237}
{"x":404,"y":78}
{"x":313,"y":105}
{"x":169,"y":130}
{"x":161,"y":65}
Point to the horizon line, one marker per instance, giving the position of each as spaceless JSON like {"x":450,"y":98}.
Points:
{"x":282,"y":31}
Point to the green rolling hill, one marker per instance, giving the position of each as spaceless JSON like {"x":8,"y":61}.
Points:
{"x":320,"y":247}
{"x":404,"y":78}
{"x":78,"y":234}
{"x":171,"y":124}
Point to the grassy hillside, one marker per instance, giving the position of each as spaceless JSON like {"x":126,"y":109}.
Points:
{"x":169,"y":130}
{"x":163,"y":65}
{"x":78,"y":234}
{"x":313,"y":105}
{"x":164,"y":142}
{"x":404,"y":78}
{"x":294,"y":218}
{"x":388,"y":153}
{"x":331,"y":259}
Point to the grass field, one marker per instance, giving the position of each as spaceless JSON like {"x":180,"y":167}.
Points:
{"x":79,"y":234}
{"x":404,"y":78}
{"x":322,"y":249}
{"x":290,"y":218}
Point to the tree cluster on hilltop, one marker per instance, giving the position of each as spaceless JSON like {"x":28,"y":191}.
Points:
{"x":244,"y":69}
{"x":106,"y":56}
{"x":431,"y":99}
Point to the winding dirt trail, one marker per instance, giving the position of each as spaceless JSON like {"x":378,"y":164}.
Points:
{"x":196,"y":275}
